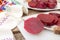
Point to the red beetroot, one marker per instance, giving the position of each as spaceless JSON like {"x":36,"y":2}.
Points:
{"x":33,"y":25}
{"x":51,"y":5}
{"x":58,"y":23}
{"x":41,"y":5}
{"x":32,"y":4}
{"x":56,"y":19}
{"x":46,"y":19}
{"x":56,"y":14}
{"x":52,"y":1}
{"x":38,"y":0}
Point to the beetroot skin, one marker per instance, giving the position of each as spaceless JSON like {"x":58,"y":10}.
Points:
{"x":33,"y":25}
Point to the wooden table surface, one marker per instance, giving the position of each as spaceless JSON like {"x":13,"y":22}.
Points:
{"x":17,"y":33}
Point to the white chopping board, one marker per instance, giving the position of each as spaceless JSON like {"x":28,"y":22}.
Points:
{"x":44,"y":35}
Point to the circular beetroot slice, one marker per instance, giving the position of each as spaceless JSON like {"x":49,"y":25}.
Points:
{"x":56,"y":17}
{"x":33,"y":26}
{"x":46,"y":19}
{"x":41,"y":5}
{"x":52,"y":1}
{"x":32,"y":4}
{"x":51,"y":5}
{"x":56,"y":14}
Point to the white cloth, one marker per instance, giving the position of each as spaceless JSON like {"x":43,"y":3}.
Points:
{"x":6,"y":35}
{"x":8,"y":21}
{"x":25,"y":5}
{"x":15,"y":10}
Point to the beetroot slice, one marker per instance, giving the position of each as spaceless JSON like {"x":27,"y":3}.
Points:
{"x":33,"y":25}
{"x":52,"y":1}
{"x":58,"y":23}
{"x":32,"y":4}
{"x":46,"y":19}
{"x":41,"y":5}
{"x":56,"y":14}
{"x":51,"y":5}
{"x":56,"y":17}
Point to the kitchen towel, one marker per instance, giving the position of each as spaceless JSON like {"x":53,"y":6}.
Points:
{"x":6,"y":35}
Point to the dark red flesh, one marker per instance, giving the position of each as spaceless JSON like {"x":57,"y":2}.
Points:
{"x":33,"y":25}
{"x":46,"y":19}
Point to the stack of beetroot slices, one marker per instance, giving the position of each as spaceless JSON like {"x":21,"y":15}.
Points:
{"x":35,"y":25}
{"x":43,"y":4}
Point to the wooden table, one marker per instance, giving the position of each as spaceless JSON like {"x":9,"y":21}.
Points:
{"x":17,"y":33}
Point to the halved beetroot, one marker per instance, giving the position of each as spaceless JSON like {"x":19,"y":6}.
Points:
{"x":46,"y":19}
{"x":58,"y":23}
{"x":33,"y":25}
